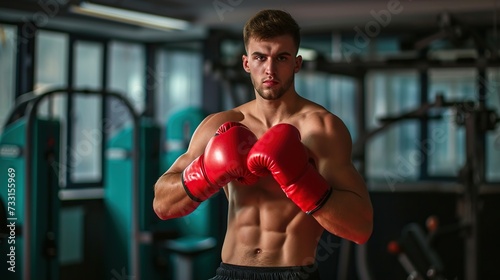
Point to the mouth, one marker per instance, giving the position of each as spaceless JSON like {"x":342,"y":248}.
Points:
{"x":270,"y":83}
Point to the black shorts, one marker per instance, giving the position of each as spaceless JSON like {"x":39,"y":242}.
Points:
{"x":237,"y":272}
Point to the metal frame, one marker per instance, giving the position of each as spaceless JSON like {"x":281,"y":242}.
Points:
{"x":477,"y":121}
{"x":31,"y":114}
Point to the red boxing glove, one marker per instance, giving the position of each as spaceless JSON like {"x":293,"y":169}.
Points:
{"x":280,"y":151}
{"x":223,"y":161}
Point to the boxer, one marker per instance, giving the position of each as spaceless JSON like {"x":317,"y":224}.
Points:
{"x":283,"y":162}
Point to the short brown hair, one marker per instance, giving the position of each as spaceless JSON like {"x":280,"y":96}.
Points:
{"x":268,"y":24}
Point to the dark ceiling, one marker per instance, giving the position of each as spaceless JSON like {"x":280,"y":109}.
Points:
{"x":406,"y":16}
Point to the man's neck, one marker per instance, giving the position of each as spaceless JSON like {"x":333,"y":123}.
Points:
{"x":272,"y":112}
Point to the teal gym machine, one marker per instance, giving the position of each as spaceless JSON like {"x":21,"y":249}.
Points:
{"x":29,"y":148}
{"x":136,"y":238}
{"x":192,"y":251}
{"x":168,"y":249}
{"x":119,"y":198}
{"x":29,"y":158}
{"x":171,"y":248}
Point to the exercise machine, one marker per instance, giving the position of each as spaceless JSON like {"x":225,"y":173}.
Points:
{"x":414,"y":247}
{"x":29,"y":154}
{"x":196,"y":236}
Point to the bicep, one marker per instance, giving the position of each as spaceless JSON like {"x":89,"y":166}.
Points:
{"x":335,"y":162}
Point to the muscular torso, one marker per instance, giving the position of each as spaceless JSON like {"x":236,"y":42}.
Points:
{"x":264,"y":227}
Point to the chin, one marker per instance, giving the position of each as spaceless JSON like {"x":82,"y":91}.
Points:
{"x":270,"y":95}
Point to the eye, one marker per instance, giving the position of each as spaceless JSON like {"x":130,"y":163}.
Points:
{"x":260,"y":57}
{"x":282,"y":58}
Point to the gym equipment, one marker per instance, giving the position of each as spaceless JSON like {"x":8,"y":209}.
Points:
{"x":178,"y":131}
{"x":119,"y":197}
{"x":29,"y":153}
{"x":417,"y":256}
{"x":415,"y":249}
{"x":155,"y":235}
{"x":196,"y":234}
{"x":185,"y":250}
{"x":4,"y":231}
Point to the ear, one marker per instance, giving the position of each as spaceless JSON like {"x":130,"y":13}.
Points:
{"x":298,"y":63}
{"x":244,"y":58}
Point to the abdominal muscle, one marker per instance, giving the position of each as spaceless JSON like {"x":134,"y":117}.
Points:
{"x":265,"y":228}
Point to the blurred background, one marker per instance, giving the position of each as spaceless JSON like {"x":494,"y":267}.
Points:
{"x":98,"y":98}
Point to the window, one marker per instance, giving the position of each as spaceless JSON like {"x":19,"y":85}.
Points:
{"x":448,"y":156}
{"x":51,"y":60}
{"x":180,"y":79}
{"x":126,"y":75}
{"x":127,"y":72}
{"x":86,"y":147}
{"x":81,"y":153}
{"x":392,"y":156}
{"x":51,"y":71}
{"x":493,"y":137}
{"x":8,"y":48}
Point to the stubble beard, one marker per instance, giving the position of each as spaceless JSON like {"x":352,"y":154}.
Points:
{"x":275,"y":93}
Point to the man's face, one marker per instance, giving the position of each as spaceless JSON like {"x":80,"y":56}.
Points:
{"x":272,"y":65}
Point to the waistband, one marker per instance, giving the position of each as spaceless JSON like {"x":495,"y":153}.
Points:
{"x":233,"y":272}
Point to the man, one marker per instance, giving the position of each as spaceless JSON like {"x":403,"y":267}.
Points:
{"x":283,"y":162}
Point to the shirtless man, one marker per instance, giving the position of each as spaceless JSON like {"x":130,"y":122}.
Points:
{"x":283,"y":162}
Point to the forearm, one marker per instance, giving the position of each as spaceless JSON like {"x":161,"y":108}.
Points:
{"x":170,"y":198}
{"x":347,"y":215}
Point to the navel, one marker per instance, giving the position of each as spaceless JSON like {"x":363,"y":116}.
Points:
{"x":258,"y":251}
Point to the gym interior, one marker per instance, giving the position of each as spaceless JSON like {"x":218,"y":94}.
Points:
{"x":96,"y":103}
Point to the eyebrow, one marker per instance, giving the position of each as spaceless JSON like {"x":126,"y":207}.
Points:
{"x":279,"y":54}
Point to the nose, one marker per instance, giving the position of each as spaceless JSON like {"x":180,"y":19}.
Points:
{"x":270,"y":67}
